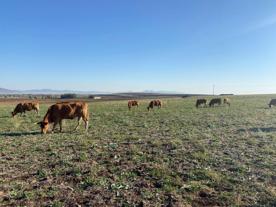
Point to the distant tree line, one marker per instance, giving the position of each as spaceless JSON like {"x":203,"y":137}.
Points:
{"x":29,"y":96}
{"x":48,"y":96}
{"x":68,"y":96}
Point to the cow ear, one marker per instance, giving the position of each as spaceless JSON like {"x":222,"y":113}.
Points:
{"x":39,"y":123}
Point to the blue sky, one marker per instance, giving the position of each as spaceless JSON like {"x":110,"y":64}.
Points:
{"x":106,"y":45}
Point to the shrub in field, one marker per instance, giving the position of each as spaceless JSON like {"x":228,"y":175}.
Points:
{"x":68,"y":95}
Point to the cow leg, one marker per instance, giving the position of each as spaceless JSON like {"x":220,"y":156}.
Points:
{"x":54,"y":126}
{"x":86,"y":125}
{"x":60,"y":126}
{"x":85,"y":119}
{"x":79,"y":120}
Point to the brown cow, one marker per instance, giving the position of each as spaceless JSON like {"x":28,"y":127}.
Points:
{"x":226,"y":101}
{"x":215,"y":101}
{"x":65,"y":110}
{"x":132,"y":103}
{"x":201,"y":102}
{"x":23,"y":107}
{"x":153,"y":103}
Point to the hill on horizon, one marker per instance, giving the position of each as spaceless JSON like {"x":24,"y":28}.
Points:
{"x":5,"y":91}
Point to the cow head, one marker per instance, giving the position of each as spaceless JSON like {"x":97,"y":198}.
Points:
{"x":13,"y":113}
{"x":44,"y":126}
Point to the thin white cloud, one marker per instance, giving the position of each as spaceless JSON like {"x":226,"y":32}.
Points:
{"x":269,"y":21}
{"x":258,"y":25}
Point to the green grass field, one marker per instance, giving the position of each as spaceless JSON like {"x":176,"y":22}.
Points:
{"x":175,"y":156}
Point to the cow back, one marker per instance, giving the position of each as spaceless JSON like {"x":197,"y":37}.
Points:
{"x":215,"y":101}
{"x":201,"y":101}
{"x":68,"y":110}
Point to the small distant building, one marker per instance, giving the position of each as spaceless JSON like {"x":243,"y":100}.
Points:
{"x":97,"y":97}
{"x":94,"y":97}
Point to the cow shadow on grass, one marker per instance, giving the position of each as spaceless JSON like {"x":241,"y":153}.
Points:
{"x":18,"y":134}
{"x":260,"y":129}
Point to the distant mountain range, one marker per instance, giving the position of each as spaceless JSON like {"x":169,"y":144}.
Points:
{"x":7,"y":91}
{"x":46,"y":91}
{"x":51,"y":91}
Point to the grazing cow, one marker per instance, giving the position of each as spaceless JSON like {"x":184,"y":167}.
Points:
{"x":226,"y":101}
{"x":23,"y":107}
{"x":65,"y":110}
{"x":215,"y":101}
{"x":153,"y":103}
{"x":272,"y":103}
{"x":132,"y":103}
{"x":201,"y":102}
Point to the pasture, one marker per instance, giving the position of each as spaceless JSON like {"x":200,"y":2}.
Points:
{"x":176,"y":156}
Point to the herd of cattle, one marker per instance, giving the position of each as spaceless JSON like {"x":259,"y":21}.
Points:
{"x":152,"y":104}
{"x":67,"y":110}
{"x":70,"y":110}
{"x":56,"y":113}
{"x":213,"y":102}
